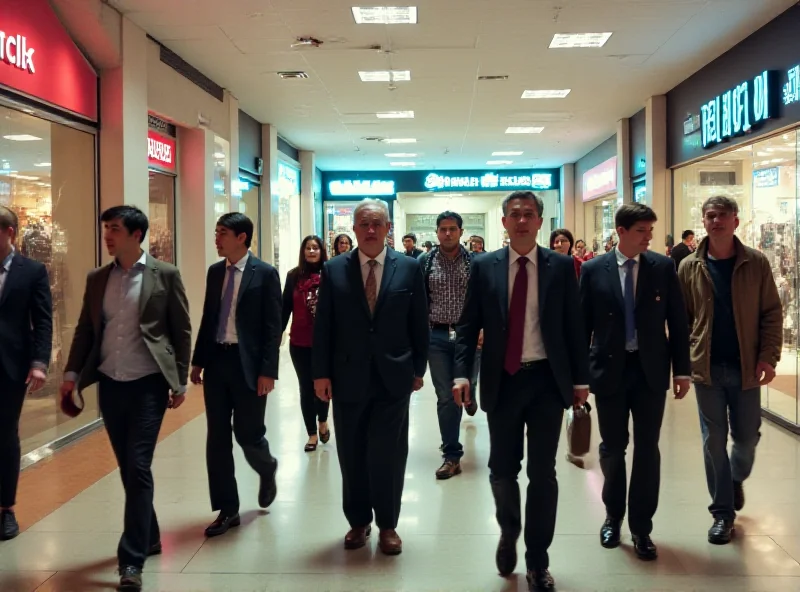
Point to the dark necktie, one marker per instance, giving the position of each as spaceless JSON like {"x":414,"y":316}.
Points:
{"x":516,"y":318}
{"x":227,"y":304}
{"x":630,"y":302}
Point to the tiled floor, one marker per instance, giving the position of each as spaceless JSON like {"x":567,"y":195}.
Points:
{"x":448,"y":527}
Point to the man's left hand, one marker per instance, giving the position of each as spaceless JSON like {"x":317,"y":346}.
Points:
{"x":579,"y":397}
{"x":36,"y":379}
{"x":765,"y":373}
{"x":176,"y":401}
{"x":418,"y":383}
{"x":680,"y":387}
{"x":266,"y":385}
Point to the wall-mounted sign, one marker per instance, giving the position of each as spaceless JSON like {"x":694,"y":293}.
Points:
{"x":600,"y":180}
{"x":489,"y":180}
{"x":361,"y":188}
{"x":162,"y":126}
{"x":14,"y":51}
{"x":160,"y":151}
{"x":764,"y":178}
{"x":791,"y":90}
{"x":736,"y":111}
{"x":691,"y":124}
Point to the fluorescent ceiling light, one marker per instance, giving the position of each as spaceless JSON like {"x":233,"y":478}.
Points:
{"x":524,"y":130}
{"x":22,"y":138}
{"x":546,"y":94}
{"x":403,"y":163}
{"x":508,"y":153}
{"x":42,"y":164}
{"x":567,"y":40}
{"x":400,"y":141}
{"x":385,"y":15}
{"x":401,"y":155}
{"x":385,"y":75}
{"x":219,"y":155}
{"x":396,"y":115}
{"x":498,"y":162}
{"x":23,"y":177}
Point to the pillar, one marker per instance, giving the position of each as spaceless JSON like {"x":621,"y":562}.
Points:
{"x":269,"y":190}
{"x":659,"y":179}
{"x":308,"y":164}
{"x":568,"y":204}
{"x":624,"y":186}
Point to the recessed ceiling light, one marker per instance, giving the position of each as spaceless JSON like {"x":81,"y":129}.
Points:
{"x":385,"y":76}
{"x":566,"y":40}
{"x":385,"y":15}
{"x":400,"y":140}
{"x":42,"y":164}
{"x":21,"y":138}
{"x":524,"y":130}
{"x":401,"y":155}
{"x":396,"y":115}
{"x":508,"y":153}
{"x":499,"y":162}
{"x":546,"y":94}
{"x":403,"y":163}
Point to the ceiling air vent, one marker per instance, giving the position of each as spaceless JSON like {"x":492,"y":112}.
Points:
{"x":491,"y":78}
{"x":292,"y":75}
{"x":373,"y":139}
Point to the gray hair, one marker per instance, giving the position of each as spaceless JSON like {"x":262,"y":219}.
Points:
{"x":721,"y":201}
{"x":526,"y":195}
{"x":377,"y":205}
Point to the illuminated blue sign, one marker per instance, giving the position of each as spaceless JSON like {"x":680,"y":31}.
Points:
{"x":736,"y":111}
{"x":436,"y":182}
{"x":361,"y":188}
{"x":766,"y":178}
{"x":791,"y":90}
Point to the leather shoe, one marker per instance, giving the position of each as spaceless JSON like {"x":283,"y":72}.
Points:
{"x":130,"y":579}
{"x":268,"y":490}
{"x":222,"y":524}
{"x":645,"y":548}
{"x":721,"y":532}
{"x":357,"y":537}
{"x":610,"y":533}
{"x":9,"y":528}
{"x":155,"y":549}
{"x":540,"y":579}
{"x":390,"y":542}
{"x":738,"y":495}
{"x":506,"y":556}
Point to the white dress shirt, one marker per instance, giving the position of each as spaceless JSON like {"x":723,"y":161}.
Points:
{"x":231,"y":336}
{"x":533,"y":342}
{"x":623,"y":273}
{"x":364,"y":260}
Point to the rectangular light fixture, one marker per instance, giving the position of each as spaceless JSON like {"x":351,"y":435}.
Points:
{"x":401,"y":155}
{"x":499,"y":162}
{"x":567,"y":40}
{"x":403,"y":163}
{"x":524,"y":130}
{"x":396,"y":115}
{"x":42,"y":164}
{"x":508,"y":153}
{"x":400,"y":141}
{"x":385,"y":75}
{"x":23,"y":177}
{"x":385,"y":15}
{"x":546,"y":94}
{"x":21,"y":138}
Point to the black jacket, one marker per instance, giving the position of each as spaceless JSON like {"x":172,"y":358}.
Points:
{"x":679,"y":253}
{"x":415,"y":253}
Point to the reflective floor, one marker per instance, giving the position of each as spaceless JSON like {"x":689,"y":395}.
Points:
{"x":448,"y":527}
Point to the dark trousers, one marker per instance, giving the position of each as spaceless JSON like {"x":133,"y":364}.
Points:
{"x":442,"y":360}
{"x":314,"y":409}
{"x":227,"y":395}
{"x":132,"y":413}
{"x":528,"y":398}
{"x":635,"y":399}
{"x":372,"y":442}
{"x":12,"y":397}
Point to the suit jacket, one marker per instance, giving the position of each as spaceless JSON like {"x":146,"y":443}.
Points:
{"x":486,"y":307}
{"x":415,"y":253}
{"x":679,"y":253}
{"x":659,"y":303}
{"x":349,"y":341}
{"x":163,"y":320}
{"x":26,"y":318}
{"x":258,"y":319}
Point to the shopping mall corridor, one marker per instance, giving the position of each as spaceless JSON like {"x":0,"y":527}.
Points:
{"x":448,"y":527}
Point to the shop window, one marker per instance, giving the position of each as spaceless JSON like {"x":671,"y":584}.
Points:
{"x":250,"y":206}
{"x":162,"y":217}
{"x":286,"y":224}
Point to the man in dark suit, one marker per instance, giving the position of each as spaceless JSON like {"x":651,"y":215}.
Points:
{"x":410,"y":245}
{"x":370,"y":352}
{"x":534,"y":366}
{"x":26,"y":335}
{"x":237,"y":353}
{"x":685,"y":248}
{"x":628,"y":296}
{"x":134,"y":338}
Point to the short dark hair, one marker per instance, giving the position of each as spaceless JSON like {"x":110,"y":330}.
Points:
{"x":323,"y":256}
{"x":721,"y":201}
{"x":339,"y":239}
{"x":238,"y":223}
{"x":412,"y":236}
{"x":452,"y":215}
{"x":563,"y":232}
{"x":527,"y":195}
{"x":480,"y":238}
{"x":633,"y":213}
{"x":427,"y":244}
{"x":686,"y":234}
{"x":132,"y":219}
{"x":9,"y":219}
{"x":580,"y":240}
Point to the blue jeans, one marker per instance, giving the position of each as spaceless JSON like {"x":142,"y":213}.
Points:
{"x":716,"y":404}
{"x":441,"y":358}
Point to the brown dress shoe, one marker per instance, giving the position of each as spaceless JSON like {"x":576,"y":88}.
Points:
{"x":357,"y":537}
{"x":390,"y":543}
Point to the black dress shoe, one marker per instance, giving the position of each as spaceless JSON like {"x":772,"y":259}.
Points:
{"x":645,"y":548}
{"x":268,"y":490}
{"x":222,"y":524}
{"x":506,"y":556}
{"x":738,"y":495}
{"x":155,"y":549}
{"x":610,"y":533}
{"x":540,"y":579}
{"x":130,"y":579}
{"x":9,"y":528}
{"x":721,"y":532}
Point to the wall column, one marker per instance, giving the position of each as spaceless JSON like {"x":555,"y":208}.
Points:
{"x":568,"y":204}
{"x":624,"y":186}
{"x":269,"y":190}
{"x":308,"y":164}
{"x":659,"y":179}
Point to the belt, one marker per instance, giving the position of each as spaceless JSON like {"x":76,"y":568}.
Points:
{"x":227,"y":346}
{"x":532,"y":365}
{"x":443,"y":326}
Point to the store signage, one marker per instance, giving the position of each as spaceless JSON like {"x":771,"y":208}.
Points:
{"x":691,"y":124}
{"x":736,"y":111}
{"x":791,"y":90}
{"x":764,"y":178}
{"x":361,"y":188}
{"x":160,"y":150}
{"x":14,"y":51}
{"x":600,"y":180}
{"x":491,"y":180}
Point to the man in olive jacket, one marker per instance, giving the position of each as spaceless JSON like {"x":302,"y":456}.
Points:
{"x":736,"y":320}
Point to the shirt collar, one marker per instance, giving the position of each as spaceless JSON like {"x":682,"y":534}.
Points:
{"x":240,"y":264}
{"x":6,"y":263}
{"x":621,"y":259}
{"x":362,"y":258}
{"x":443,"y":257}
{"x":513,"y":255}
{"x":140,"y":263}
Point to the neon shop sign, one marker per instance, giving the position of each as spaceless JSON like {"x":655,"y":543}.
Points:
{"x":361,"y":188}
{"x":736,"y":111}
{"x":14,"y":50}
{"x":436,"y":182}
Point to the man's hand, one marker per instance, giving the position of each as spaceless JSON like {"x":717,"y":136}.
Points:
{"x":196,"y":376}
{"x":67,"y":388}
{"x":480,"y":340}
{"x":579,"y":397}
{"x":680,"y":387}
{"x":323,"y":390}
{"x":418,"y":383}
{"x":266,"y":385}
{"x":461,"y":394}
{"x":765,"y":373}
{"x":36,"y":379}
{"x":176,"y":401}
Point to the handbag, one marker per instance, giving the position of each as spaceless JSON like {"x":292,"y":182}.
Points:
{"x":579,"y":434}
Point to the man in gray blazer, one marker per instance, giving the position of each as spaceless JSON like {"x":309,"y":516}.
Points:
{"x":134,"y":339}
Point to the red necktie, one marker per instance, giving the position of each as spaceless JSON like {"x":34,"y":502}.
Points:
{"x":516,"y":318}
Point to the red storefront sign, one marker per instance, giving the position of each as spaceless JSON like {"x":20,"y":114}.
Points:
{"x":600,"y":180}
{"x":39,"y":59}
{"x":160,"y":150}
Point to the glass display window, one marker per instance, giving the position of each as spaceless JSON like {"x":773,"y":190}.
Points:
{"x":222,"y":159}
{"x":286,"y":224}
{"x":600,"y":229}
{"x":162,"y":217}
{"x":249,"y":204}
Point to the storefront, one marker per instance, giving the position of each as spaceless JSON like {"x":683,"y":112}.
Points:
{"x":733,"y":131}
{"x":286,"y":224}
{"x":162,"y":167}
{"x":48,"y":176}
{"x":601,"y":200}
{"x":638,"y":156}
{"x":247,"y":191}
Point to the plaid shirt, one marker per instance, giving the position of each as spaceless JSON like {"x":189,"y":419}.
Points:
{"x":448,"y":287}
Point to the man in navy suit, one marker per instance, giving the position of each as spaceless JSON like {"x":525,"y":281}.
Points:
{"x":637,"y":328}
{"x":26,"y":335}
{"x":370,"y":352}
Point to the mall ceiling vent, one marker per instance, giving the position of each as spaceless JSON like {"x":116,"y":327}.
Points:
{"x":292,"y":75}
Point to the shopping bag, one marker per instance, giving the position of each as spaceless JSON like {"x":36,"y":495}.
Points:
{"x":579,"y":433}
